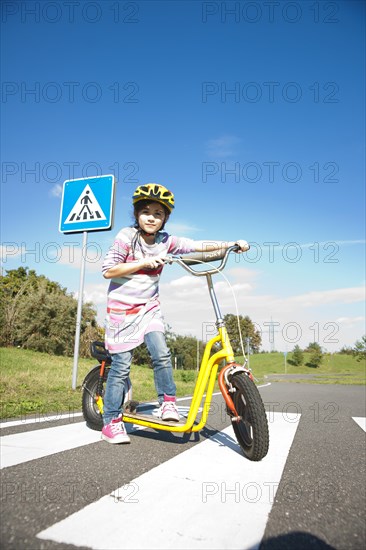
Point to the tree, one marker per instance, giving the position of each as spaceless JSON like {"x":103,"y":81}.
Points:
{"x":12,"y":288}
{"x":316,"y":354}
{"x":313,"y":346}
{"x":316,"y":357}
{"x":184,"y":351}
{"x":91,"y":332}
{"x":39,"y":314}
{"x":346,"y":350}
{"x":248,"y":330}
{"x":297,"y":356}
{"x":359,"y":351}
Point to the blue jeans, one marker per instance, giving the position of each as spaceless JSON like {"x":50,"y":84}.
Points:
{"x":120,"y":370}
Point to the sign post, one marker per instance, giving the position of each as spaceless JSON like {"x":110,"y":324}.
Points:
{"x":79,"y":311}
{"x":87,"y":205}
{"x":248,"y":351}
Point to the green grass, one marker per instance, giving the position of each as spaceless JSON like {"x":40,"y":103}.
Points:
{"x":38,"y":383}
{"x":33,"y":382}
{"x":334,"y":369}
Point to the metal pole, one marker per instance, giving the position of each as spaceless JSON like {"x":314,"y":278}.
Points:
{"x":213,"y":298}
{"x":248,"y":350}
{"x":79,"y":311}
{"x":198,"y":355}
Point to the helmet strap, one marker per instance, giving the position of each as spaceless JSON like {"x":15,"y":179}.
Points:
{"x":145,"y":233}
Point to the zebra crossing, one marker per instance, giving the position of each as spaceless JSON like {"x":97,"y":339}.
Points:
{"x":205,"y":496}
{"x":209,"y":482}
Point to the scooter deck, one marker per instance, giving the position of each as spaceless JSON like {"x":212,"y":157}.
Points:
{"x":130,"y":412}
{"x":152,"y":418}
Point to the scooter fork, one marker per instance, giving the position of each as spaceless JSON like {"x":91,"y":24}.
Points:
{"x":226,"y":386}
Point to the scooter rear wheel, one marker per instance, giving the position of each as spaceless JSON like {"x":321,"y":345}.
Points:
{"x":91,"y":412}
{"x":251,"y":429}
{"x":92,"y":388}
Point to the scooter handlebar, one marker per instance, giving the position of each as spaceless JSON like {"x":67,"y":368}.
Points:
{"x":197,"y":258}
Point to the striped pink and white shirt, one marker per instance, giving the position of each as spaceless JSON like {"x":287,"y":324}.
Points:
{"x":133,"y":307}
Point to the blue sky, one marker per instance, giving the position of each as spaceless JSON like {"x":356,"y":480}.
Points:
{"x":252,"y":113}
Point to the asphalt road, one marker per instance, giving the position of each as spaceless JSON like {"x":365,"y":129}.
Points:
{"x":319,"y":503}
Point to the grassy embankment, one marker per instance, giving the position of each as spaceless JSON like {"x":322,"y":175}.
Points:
{"x":37,"y":383}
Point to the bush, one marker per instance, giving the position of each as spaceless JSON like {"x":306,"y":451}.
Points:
{"x":297,"y":356}
{"x":315,"y":359}
{"x":187,"y":375}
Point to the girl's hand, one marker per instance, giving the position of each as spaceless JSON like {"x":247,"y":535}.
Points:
{"x":152,"y":262}
{"x":244,"y":246}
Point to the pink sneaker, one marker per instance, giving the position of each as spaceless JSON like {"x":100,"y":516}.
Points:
{"x":168,"y":409}
{"x":115,"y":432}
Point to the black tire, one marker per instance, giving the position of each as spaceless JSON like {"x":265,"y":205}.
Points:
{"x":92,"y":416}
{"x":252,"y":429}
{"x":91,"y":412}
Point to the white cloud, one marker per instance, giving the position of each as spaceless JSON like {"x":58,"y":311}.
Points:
{"x":72,"y":256}
{"x":240,"y":274}
{"x":331,"y":317}
{"x":299,"y":318}
{"x":338,"y":295}
{"x":56,"y":190}
{"x":328,"y":243}
{"x":96,"y":293}
{"x":181,"y":229}
{"x":222,"y":147}
{"x":350,"y":321}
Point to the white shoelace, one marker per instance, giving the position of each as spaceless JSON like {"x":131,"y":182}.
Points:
{"x":117,"y":428}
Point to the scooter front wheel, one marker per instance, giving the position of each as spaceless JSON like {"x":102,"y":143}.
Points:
{"x":251,"y":426}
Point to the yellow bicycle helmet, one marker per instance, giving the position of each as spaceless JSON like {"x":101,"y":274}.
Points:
{"x":154,"y":192}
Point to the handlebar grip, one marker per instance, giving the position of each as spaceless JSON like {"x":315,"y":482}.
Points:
{"x":198,"y":257}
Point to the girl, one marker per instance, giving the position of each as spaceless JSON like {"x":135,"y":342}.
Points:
{"x":134,"y":264}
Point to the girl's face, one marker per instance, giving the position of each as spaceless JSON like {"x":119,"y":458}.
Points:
{"x":151,"y":217}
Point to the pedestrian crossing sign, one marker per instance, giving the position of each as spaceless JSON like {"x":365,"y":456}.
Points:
{"x":87,"y":204}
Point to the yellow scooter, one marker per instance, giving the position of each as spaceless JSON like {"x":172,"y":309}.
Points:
{"x":244,"y":404}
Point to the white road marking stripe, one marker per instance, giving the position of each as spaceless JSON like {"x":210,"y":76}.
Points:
{"x":208,"y":497}
{"x":25,"y":446}
{"x":54,"y":418}
{"x":39,"y":419}
{"x":42,"y":417}
{"x":360,"y":421}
